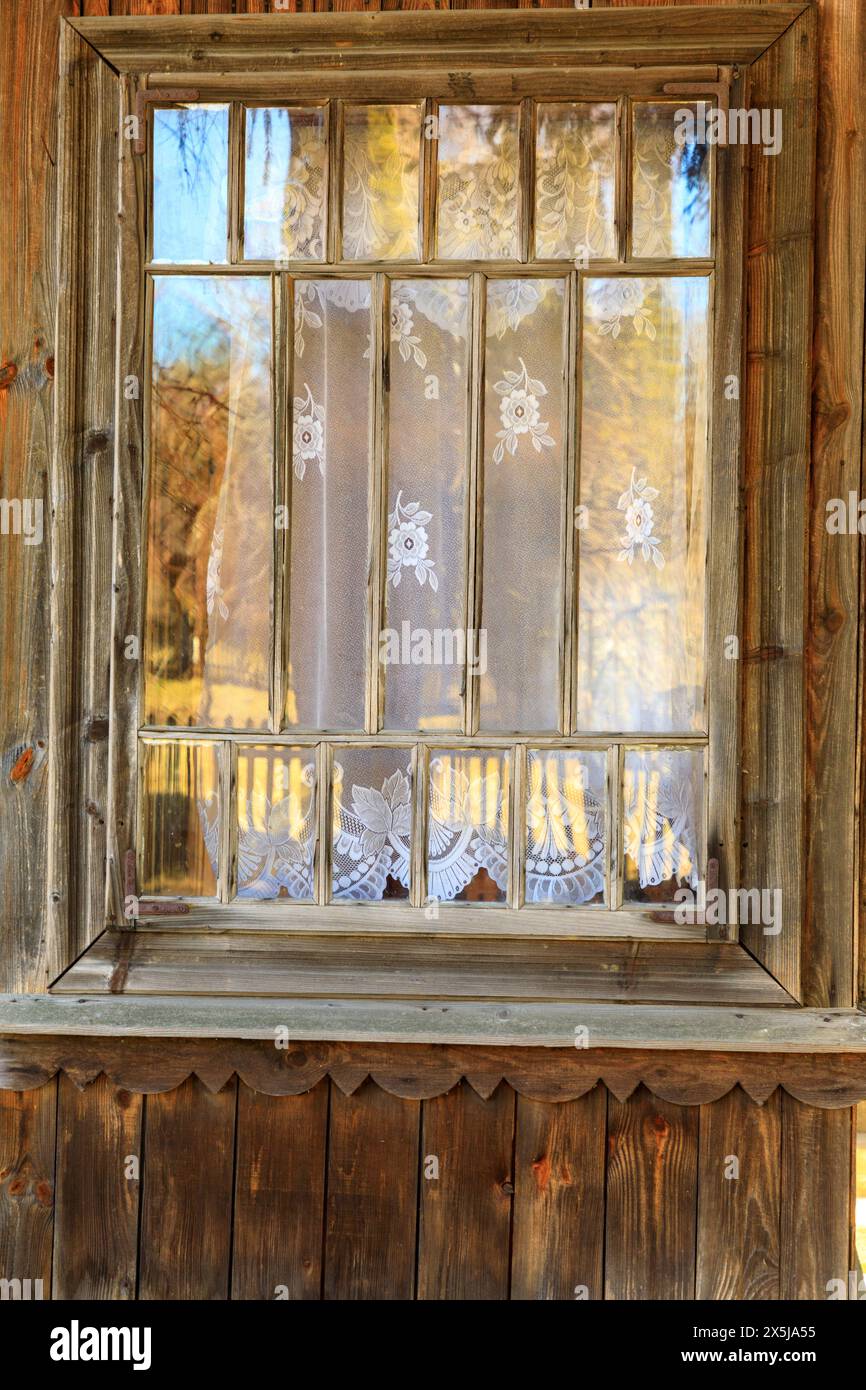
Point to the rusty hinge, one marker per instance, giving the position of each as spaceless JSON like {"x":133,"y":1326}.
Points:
{"x":146,"y":95}
{"x":133,"y":907}
{"x":696,"y":915}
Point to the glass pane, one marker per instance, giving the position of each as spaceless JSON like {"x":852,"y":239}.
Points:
{"x":574,"y":181}
{"x":642,"y":538}
{"x":524,"y":462}
{"x":276,"y":790}
{"x":478,"y":183}
{"x":285,"y":184}
{"x":424,"y":642}
{"x":329,"y":505}
{"x":467,"y":832}
{"x":662,"y":819}
{"x":190,"y":179}
{"x":565,"y":826}
{"x":671,"y":182}
{"x":181,"y":819}
{"x":371,"y":817}
{"x":381,"y":152}
{"x":210,"y":528}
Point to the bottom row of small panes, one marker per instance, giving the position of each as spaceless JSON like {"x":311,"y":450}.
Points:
{"x":565,"y":814}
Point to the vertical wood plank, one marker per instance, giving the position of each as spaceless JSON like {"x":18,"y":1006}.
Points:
{"x":558,"y":1238}
{"x":465,"y":1213}
{"x":777,"y":450}
{"x":187,"y":1193}
{"x":738,"y":1215}
{"x":96,"y":1240}
{"x":837,"y":422}
{"x":279,"y":1194}
{"x":127,"y":521}
{"x":27,"y":1131}
{"x":816,"y":1187}
{"x":372,"y":1195}
{"x":28,"y":154}
{"x":652,"y":1174}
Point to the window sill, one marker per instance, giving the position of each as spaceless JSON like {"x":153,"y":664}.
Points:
{"x":426,"y":969}
{"x":455,"y":1023}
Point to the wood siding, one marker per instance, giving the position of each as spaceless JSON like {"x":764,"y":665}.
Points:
{"x":202,"y":1194}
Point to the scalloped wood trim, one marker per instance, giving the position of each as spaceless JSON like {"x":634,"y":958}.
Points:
{"x":422,"y":1071}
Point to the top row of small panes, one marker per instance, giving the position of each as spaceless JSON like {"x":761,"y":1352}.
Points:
{"x":478,"y":152}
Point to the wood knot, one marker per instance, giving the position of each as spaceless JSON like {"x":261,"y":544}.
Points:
{"x":8,"y":373}
{"x":96,"y":443}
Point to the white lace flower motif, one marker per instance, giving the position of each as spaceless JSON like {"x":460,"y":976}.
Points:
{"x":614,"y":300}
{"x":403,"y":334}
{"x":408,"y":545}
{"x":214,"y":591}
{"x":636,"y":502}
{"x":309,"y":434}
{"x":519,"y":413}
{"x":384,"y":814}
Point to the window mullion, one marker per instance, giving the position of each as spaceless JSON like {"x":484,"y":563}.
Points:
{"x":322,"y":871}
{"x":418,"y":874}
{"x":526,"y":175}
{"x":379,"y":384}
{"x":475,"y":508}
{"x":235,"y":198}
{"x":427,"y":203}
{"x":613,"y":819}
{"x":569,"y":548}
{"x":282,"y":337}
{"x":622,"y":216}
{"x":229,"y":821}
{"x":335,"y":181}
{"x":517,"y":826}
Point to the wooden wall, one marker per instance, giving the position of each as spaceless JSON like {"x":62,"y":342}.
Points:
{"x":201,"y":1194}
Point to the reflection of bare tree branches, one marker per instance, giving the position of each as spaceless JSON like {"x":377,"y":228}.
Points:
{"x":192,"y":129}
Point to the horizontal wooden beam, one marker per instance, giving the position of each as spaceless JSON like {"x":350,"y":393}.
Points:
{"x":462,"y":1022}
{"x":512,"y":38}
{"x":330,"y":965}
{"x":562,"y":83}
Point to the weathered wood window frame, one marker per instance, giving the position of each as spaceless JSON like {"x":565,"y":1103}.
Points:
{"x":513,"y":56}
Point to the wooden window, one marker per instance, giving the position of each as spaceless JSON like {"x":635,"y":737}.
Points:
{"x":428,"y":441}
{"x":451,"y":360}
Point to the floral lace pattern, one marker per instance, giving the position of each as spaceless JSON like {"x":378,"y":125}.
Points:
{"x":467,"y":830}
{"x":372,"y":838}
{"x":565,"y":844}
{"x":478,"y":183}
{"x":636,"y":502}
{"x":611,"y":302}
{"x":403,"y":332}
{"x":659,"y":830}
{"x":285,"y":186}
{"x":519,"y":412}
{"x":214,"y":592}
{"x":407,"y":544}
{"x":308,"y":434}
{"x":574,"y":181}
{"x":277,"y":860}
{"x":380,"y":188}
{"x":671,"y":191}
